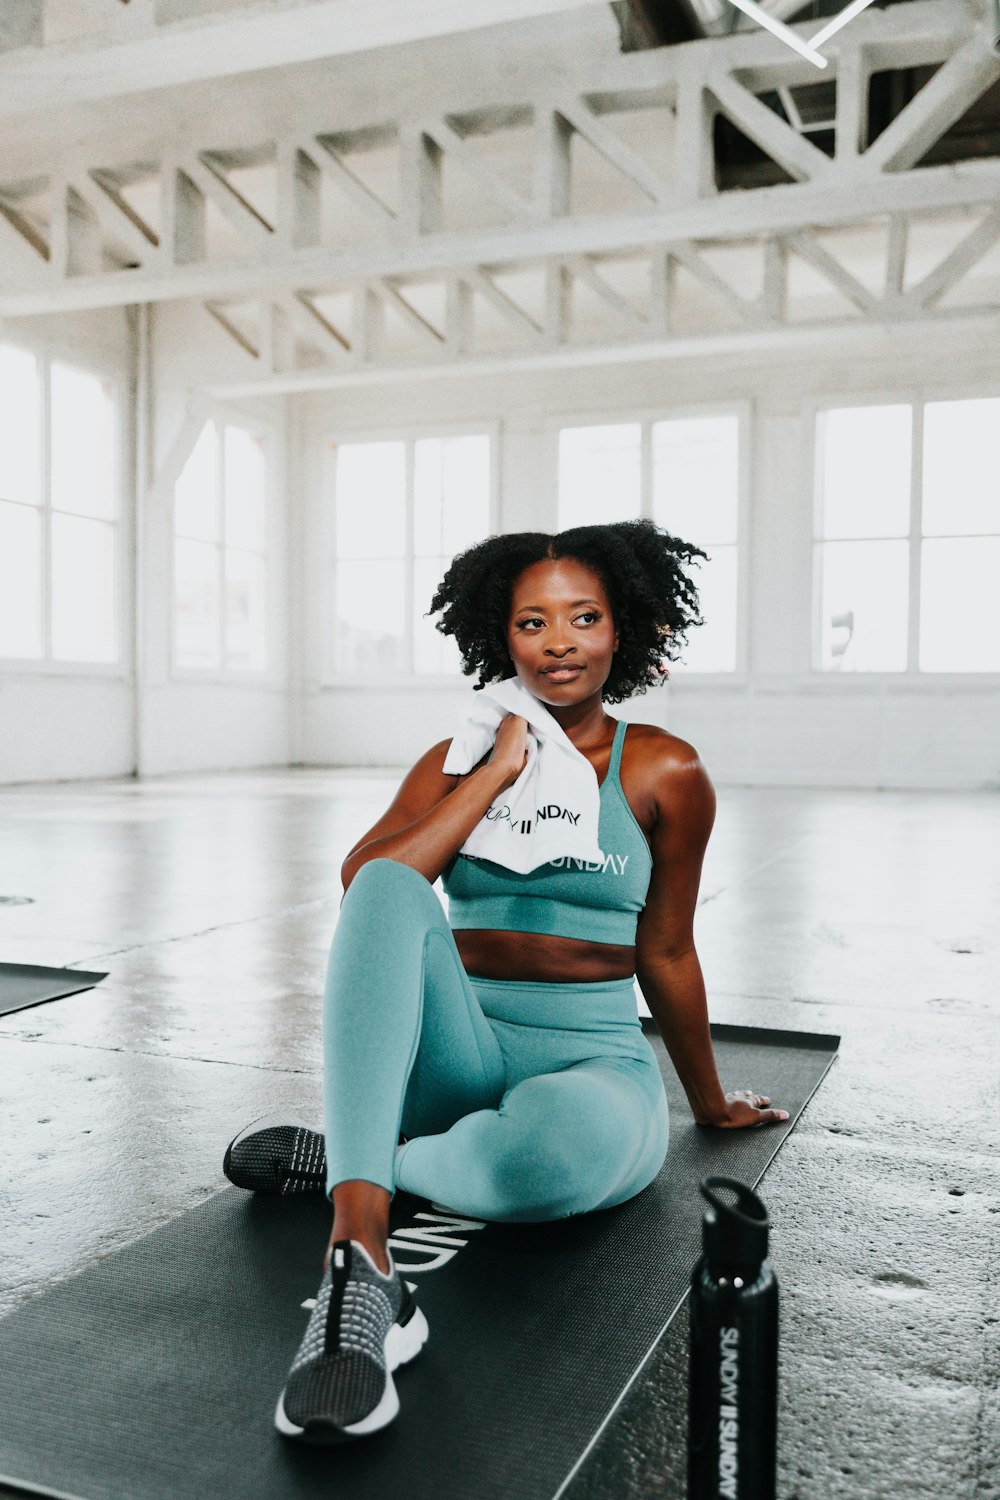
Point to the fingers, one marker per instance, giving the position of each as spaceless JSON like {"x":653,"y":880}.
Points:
{"x":760,"y":1107}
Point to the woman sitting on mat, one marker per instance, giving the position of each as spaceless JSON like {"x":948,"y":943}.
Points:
{"x":504,"y":1050}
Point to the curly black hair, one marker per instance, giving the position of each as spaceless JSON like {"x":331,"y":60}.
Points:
{"x":653,"y":602}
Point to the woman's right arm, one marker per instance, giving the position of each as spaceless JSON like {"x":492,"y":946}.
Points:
{"x":432,"y":814}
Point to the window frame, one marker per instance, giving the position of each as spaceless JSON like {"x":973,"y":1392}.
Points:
{"x":917,"y":398}
{"x":270,"y":675}
{"x":647,"y":417}
{"x":408,"y":433}
{"x":105,"y":367}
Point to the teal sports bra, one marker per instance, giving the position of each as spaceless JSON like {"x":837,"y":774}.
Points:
{"x":599,"y":901}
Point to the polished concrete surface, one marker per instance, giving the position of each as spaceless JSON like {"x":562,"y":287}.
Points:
{"x":211,"y":900}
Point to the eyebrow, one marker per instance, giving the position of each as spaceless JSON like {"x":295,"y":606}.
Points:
{"x":541,"y":607}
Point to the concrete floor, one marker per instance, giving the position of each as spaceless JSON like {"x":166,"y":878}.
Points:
{"x":211,"y":901}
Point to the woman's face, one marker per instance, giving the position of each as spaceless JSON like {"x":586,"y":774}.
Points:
{"x":560,"y":632}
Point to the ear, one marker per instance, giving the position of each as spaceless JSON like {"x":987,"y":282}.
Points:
{"x":615,"y":646}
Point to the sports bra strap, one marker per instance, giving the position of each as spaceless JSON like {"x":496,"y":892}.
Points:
{"x":614,"y":764}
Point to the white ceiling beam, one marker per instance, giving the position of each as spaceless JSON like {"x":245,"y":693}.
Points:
{"x":827,"y":265}
{"x":328,"y":160}
{"x":956,"y":86}
{"x":957,"y":264}
{"x":480,"y":171}
{"x":394,"y":298}
{"x":798,"y":156}
{"x":476,"y":279}
{"x":816,"y":337}
{"x":689,"y":257}
{"x":736,"y":215}
{"x":268,"y":34}
{"x":583,"y":269}
{"x":614,"y":150}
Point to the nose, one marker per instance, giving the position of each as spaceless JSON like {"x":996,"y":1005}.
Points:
{"x":559,"y":651}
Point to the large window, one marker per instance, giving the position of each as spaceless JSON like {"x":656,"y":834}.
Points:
{"x":907,"y":549}
{"x":402,"y":510}
{"x":58,"y":512}
{"x":684,"y":473}
{"x":220,"y":552}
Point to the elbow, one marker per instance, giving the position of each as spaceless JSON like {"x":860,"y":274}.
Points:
{"x":664,"y":957}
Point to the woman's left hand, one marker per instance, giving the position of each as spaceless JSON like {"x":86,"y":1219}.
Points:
{"x":744,"y":1107}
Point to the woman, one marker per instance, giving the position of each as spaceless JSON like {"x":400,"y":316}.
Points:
{"x":504,"y":1051}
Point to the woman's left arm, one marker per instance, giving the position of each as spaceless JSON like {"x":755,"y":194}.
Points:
{"x":667,"y":965}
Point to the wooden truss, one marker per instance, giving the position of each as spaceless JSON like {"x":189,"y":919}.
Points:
{"x":544,"y":221}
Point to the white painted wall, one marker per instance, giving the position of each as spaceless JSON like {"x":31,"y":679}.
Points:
{"x":776,"y":722}
{"x":193,"y":720}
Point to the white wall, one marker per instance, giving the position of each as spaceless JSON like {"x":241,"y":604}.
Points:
{"x":193,"y":720}
{"x":776,"y":722}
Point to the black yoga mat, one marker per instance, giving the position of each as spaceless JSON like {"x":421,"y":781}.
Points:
{"x":22,"y":985}
{"x":155,"y":1372}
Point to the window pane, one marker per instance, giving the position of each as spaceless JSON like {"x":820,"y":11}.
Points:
{"x":196,"y":603}
{"x":960,"y":606}
{"x":432,"y":651}
{"x":83,"y":590}
{"x":712,"y":647}
{"x":246,"y":475}
{"x":961,"y":477}
{"x":246,"y":610}
{"x":863,"y":471}
{"x":863,"y":606}
{"x":371,"y":500}
{"x":83,"y":443}
{"x":696,"y":478}
{"x":20,"y":580}
{"x":20,"y":426}
{"x":451,"y":493}
{"x":370,"y":621}
{"x":196,"y":493}
{"x":599,"y":475}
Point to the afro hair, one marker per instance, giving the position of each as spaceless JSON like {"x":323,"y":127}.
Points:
{"x":642,"y":567}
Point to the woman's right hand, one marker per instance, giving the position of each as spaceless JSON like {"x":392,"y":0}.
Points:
{"x":510,"y":748}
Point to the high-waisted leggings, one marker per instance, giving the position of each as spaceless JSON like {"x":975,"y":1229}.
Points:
{"x":519,"y":1100}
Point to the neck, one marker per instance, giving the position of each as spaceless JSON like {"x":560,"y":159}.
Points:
{"x":582,"y":723}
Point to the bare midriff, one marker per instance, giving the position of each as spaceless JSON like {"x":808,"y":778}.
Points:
{"x":537,"y":956}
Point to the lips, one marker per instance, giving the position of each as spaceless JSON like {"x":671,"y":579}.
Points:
{"x":561,"y":674}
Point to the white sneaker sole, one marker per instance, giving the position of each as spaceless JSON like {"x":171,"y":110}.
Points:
{"x":402,"y":1343}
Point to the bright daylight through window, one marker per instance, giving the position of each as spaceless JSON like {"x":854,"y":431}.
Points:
{"x":403,"y":509}
{"x":220,"y":552}
{"x":895,"y":535}
{"x":58,"y":512}
{"x":691,"y":489}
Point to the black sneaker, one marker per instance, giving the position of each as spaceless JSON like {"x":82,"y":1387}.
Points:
{"x":276,"y":1154}
{"x":363,"y":1326}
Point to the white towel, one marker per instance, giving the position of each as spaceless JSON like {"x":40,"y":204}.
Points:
{"x":553,"y":809}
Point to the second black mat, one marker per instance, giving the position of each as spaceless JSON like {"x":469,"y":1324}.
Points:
{"x":155,"y":1372}
{"x":22,"y":985}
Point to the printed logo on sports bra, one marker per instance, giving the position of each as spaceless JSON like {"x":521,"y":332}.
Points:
{"x":612,"y":864}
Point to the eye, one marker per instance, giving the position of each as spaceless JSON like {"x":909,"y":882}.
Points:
{"x":590,"y":616}
{"x":532,"y":620}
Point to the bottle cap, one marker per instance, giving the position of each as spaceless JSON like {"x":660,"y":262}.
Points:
{"x":733,"y":1233}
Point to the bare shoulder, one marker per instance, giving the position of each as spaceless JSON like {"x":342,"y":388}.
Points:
{"x":664,"y":756}
{"x":665,"y":780}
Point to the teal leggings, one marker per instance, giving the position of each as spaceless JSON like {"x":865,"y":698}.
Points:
{"x":519,"y":1100}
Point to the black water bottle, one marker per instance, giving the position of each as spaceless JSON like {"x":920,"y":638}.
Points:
{"x":733,"y":1411}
